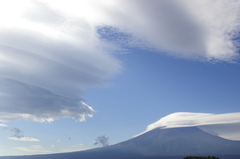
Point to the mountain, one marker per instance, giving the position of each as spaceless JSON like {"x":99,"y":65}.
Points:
{"x":180,"y":141}
{"x":172,"y":143}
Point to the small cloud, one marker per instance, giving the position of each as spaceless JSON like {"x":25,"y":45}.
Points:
{"x":18,"y":135}
{"x":74,"y":148}
{"x":37,"y":147}
{"x":34,"y":149}
{"x":103,"y":140}
{"x":23,"y":139}
{"x":3,"y":125}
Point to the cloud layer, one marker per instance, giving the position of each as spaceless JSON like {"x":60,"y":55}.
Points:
{"x":51,"y":50}
{"x":19,"y":100}
{"x":210,"y":32}
{"x":213,"y":123}
{"x":46,"y":60}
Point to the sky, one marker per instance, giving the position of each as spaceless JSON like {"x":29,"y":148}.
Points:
{"x":73,"y":71}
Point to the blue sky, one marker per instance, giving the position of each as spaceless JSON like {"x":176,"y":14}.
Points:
{"x":71,"y":71}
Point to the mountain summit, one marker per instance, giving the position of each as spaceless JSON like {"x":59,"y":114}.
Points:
{"x":180,"y":141}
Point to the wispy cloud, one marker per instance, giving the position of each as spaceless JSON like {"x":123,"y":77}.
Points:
{"x":3,"y":125}
{"x":33,"y":149}
{"x":188,"y":119}
{"x":23,"y":138}
{"x":18,"y":135}
{"x":228,"y":131}
{"x":79,"y":147}
{"x":174,"y":26}
{"x":103,"y":140}
{"x":177,"y":27}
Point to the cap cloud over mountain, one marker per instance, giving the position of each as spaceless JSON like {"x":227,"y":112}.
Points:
{"x":180,"y":141}
{"x":213,"y":123}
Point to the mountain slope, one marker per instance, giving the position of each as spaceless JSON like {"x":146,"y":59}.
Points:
{"x":172,"y":143}
{"x":180,"y":141}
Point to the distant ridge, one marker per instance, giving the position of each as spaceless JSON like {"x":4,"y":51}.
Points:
{"x":172,"y":143}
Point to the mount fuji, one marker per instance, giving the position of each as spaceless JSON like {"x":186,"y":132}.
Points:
{"x":159,"y":143}
{"x":178,"y":142}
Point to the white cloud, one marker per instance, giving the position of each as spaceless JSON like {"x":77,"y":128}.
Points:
{"x":53,"y":48}
{"x":33,"y":149}
{"x":180,"y":28}
{"x":175,"y":26}
{"x":3,"y":125}
{"x":209,"y":122}
{"x":23,"y":138}
{"x":228,"y":131}
{"x":74,"y":149}
{"x":18,"y":135}
{"x":47,"y":57}
{"x":184,"y":119}
{"x":20,"y":99}
{"x":37,"y":147}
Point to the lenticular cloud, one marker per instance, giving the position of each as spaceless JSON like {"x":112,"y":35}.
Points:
{"x":22,"y":101}
{"x":212,"y":123}
{"x":187,"y":119}
{"x":47,"y":57}
{"x":51,"y":50}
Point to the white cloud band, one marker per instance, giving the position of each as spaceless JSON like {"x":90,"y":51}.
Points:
{"x":23,"y":139}
{"x":186,"y":119}
{"x":213,"y":123}
{"x":19,"y":100}
{"x":3,"y":125}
